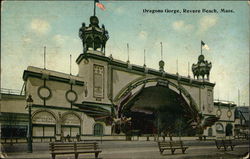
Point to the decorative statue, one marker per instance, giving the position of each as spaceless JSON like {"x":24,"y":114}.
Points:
{"x":82,"y":36}
{"x":202,"y":68}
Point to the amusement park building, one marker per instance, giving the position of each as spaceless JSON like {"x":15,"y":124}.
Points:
{"x":90,"y":103}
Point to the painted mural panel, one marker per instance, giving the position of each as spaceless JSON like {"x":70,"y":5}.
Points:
{"x":210,"y":101}
{"x":98,"y":82}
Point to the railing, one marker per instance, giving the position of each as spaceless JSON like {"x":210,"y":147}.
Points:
{"x":11,"y":91}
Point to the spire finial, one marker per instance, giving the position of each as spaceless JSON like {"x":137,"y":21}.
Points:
{"x":128,"y":52}
{"x":161,"y":62}
{"x":202,"y":43}
{"x":144,"y":58}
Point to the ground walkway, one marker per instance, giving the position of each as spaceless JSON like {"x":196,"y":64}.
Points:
{"x":139,"y":150}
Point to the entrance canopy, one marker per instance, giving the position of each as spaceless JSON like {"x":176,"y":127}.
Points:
{"x":96,"y":112}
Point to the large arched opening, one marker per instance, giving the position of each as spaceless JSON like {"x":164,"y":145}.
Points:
{"x":157,"y":106}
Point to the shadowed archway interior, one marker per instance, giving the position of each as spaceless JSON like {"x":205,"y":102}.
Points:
{"x":157,"y":109}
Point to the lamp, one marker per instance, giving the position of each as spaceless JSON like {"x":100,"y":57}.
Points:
{"x":29,"y":101}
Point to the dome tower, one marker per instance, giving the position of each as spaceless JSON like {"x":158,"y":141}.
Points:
{"x":93,"y":37}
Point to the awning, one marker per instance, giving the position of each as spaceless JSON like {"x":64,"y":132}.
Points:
{"x":209,"y":121}
{"x":93,"y":111}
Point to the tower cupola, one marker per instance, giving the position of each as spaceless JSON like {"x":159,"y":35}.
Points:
{"x":93,"y":37}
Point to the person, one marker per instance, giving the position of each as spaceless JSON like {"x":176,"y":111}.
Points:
{"x":78,"y":137}
{"x":2,"y":152}
{"x":62,"y":137}
{"x":68,"y":137}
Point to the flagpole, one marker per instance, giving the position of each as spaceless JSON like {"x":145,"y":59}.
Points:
{"x":44,"y":57}
{"x":177,"y":66}
{"x":70,"y":65}
{"x":238,"y":97}
{"x":128,"y":52}
{"x":201,"y":48}
{"x":161,"y":50}
{"x":94,"y":7}
{"x":144,"y":58}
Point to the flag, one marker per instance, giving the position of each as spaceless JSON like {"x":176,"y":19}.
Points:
{"x":204,"y":46}
{"x":99,"y":5}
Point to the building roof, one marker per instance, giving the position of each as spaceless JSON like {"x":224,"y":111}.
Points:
{"x":12,"y":96}
{"x":140,"y":69}
{"x":224,"y":103}
{"x":242,"y":112}
{"x":13,"y":92}
{"x":51,"y":75}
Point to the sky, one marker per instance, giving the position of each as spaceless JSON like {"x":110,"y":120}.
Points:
{"x":28,"y":26}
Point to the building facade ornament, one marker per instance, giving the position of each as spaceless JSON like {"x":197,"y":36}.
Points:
{"x":202,"y":68}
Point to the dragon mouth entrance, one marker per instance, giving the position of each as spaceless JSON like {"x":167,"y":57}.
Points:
{"x":157,"y":109}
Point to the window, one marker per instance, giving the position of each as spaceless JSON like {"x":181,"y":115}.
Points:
{"x":98,"y":129}
{"x":229,"y":130}
{"x":219,"y":128}
{"x":43,"y":130}
{"x":13,"y":131}
{"x":70,"y":130}
{"x":71,"y":125}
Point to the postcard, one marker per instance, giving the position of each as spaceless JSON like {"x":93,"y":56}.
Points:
{"x":124,"y":79}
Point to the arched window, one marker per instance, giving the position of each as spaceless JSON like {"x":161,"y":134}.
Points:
{"x":44,"y":124}
{"x":98,"y":129}
{"x":219,"y":128}
{"x":71,"y":124}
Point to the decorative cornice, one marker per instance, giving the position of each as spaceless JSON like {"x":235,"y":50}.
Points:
{"x":208,"y":115}
{"x":71,"y":109}
{"x":225,"y":121}
{"x":12,"y":96}
{"x":54,"y":107}
{"x":141,"y":69}
{"x":221,"y":104}
{"x":127,"y":70}
{"x":27,"y":74}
